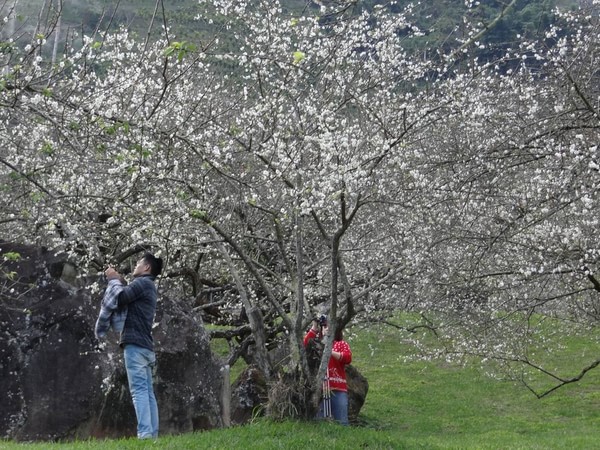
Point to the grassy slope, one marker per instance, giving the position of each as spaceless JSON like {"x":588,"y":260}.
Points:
{"x":416,"y":405}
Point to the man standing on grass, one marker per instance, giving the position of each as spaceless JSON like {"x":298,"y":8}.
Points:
{"x":140,"y":297}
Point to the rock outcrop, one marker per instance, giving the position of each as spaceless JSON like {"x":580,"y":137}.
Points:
{"x":54,"y":382}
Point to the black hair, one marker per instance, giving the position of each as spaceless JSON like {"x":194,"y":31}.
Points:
{"x":339,"y":335}
{"x":156,"y":264}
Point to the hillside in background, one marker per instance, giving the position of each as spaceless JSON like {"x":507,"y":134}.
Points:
{"x":441,"y":21}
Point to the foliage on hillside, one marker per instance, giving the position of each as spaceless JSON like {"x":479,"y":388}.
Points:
{"x":442,"y":22}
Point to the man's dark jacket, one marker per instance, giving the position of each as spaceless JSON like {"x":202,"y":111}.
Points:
{"x":139,"y":297}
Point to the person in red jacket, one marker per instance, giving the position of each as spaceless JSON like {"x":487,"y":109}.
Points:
{"x":341,"y":355}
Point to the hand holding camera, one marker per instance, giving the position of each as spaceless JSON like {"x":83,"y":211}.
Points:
{"x":319,"y":324}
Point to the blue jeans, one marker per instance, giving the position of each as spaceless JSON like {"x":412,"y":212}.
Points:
{"x":339,"y":407}
{"x":139,"y":363}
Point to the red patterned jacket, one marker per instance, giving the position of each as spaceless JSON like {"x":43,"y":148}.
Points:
{"x":336,"y":367}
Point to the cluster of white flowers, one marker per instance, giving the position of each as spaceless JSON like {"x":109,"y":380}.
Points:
{"x":480,"y":186}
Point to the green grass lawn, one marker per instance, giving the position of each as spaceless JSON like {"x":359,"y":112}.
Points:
{"x":415,"y":405}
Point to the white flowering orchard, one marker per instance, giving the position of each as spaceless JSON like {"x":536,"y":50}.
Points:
{"x":311,"y":159}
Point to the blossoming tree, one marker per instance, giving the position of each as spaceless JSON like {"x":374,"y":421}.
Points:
{"x":308,"y":162}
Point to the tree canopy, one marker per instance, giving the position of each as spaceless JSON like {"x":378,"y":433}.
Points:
{"x":295,"y":161}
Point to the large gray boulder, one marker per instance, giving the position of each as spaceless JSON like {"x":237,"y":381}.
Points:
{"x":358,"y":387}
{"x":55,"y":384}
{"x":250,"y":394}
